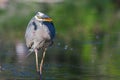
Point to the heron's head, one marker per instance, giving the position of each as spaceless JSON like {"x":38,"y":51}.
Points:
{"x":42,"y":17}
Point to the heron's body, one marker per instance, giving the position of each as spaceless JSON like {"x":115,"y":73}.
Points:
{"x":39,"y":34}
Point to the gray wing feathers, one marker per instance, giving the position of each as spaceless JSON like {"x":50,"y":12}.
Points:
{"x":36,"y":33}
{"x":29,"y":34}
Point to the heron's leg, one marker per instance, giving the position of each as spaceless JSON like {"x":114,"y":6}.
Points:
{"x":36,"y":57}
{"x":41,"y":64}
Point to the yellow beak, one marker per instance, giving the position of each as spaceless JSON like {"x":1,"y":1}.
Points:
{"x":44,"y":19}
{"x":47,"y":19}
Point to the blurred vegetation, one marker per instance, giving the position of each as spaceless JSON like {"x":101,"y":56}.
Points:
{"x":89,"y":29}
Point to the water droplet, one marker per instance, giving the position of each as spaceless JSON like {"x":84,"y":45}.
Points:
{"x":71,"y":49}
{"x":66,"y":47}
{"x":59,"y":44}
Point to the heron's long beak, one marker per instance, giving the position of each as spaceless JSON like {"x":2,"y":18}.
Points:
{"x":43,"y":19}
{"x":47,"y":19}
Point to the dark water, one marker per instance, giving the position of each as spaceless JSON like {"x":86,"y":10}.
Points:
{"x":67,"y":62}
{"x":51,"y":72}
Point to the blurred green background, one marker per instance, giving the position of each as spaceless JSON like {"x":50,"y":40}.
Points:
{"x":86,"y":47}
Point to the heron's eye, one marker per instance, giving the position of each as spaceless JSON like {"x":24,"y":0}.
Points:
{"x":38,"y":17}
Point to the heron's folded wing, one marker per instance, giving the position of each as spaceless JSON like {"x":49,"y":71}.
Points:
{"x":29,"y":34}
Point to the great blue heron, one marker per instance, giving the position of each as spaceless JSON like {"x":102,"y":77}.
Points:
{"x":39,"y":34}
